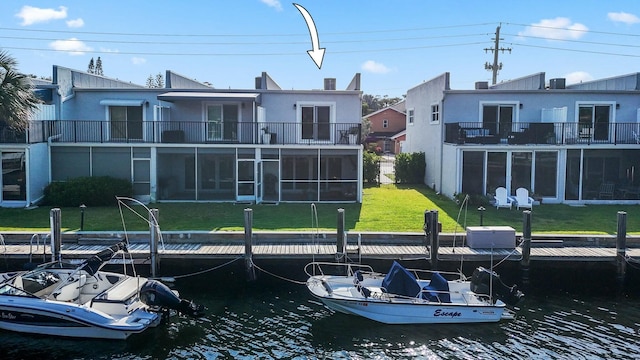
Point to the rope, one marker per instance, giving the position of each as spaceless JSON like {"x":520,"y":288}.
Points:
{"x":278,"y":276}
{"x":207,"y":270}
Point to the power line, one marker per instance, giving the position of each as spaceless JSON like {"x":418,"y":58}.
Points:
{"x":576,"y":50}
{"x":573,"y":41}
{"x":575,"y":30}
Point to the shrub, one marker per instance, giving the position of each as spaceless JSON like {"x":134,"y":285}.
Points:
{"x":91,"y":191}
{"x":410,"y":168}
{"x":370,"y":167}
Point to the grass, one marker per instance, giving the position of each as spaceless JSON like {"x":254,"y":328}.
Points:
{"x":388,"y":208}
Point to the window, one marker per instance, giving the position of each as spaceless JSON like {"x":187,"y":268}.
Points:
{"x":125,"y":122}
{"x":435,"y":113}
{"x":498,"y":118}
{"x":593,"y":121}
{"x":385,"y":123}
{"x":222,"y":122}
{"x":410,"y":116}
{"x":316,"y":122}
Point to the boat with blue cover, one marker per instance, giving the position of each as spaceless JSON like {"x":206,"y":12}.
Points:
{"x":410,"y":296}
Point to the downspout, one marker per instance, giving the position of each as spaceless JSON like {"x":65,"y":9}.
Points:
{"x":442,"y":128}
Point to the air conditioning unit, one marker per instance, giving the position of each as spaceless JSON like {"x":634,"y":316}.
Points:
{"x":329,"y":83}
{"x":482,"y":85}
{"x":558,"y":83}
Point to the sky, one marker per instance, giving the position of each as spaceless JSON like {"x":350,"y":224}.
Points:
{"x":394,"y":45}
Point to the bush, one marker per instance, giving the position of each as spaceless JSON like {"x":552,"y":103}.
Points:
{"x":370,"y":167}
{"x":410,"y":168}
{"x":91,"y":191}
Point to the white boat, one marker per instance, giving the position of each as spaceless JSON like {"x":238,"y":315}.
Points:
{"x":60,"y":299}
{"x":407,"y":296}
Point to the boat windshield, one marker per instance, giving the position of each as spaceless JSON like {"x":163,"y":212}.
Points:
{"x":10,"y":290}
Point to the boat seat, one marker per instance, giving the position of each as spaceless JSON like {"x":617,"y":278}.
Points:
{"x":71,"y":291}
{"x":437,"y":290}
{"x":357,"y":278}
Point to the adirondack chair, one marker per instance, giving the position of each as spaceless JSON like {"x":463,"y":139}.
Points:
{"x":502,"y":199}
{"x":523,"y":200}
{"x":606,"y":191}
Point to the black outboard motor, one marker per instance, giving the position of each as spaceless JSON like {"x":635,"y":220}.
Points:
{"x":155,"y":293}
{"x":483,"y":281}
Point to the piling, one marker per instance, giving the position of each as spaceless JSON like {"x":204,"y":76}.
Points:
{"x":526,"y":246}
{"x":621,"y":248}
{"x":248,"y":242}
{"x":431,"y":230}
{"x":55,"y":221}
{"x":340,"y":238}
{"x":153,"y":241}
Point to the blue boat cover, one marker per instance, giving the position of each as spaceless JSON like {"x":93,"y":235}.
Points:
{"x":438,"y":289}
{"x":400,"y":281}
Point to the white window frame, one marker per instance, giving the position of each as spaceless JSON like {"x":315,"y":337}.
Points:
{"x":516,"y":111}
{"x":385,"y":123}
{"x":411,"y":114}
{"x":332,"y":120}
{"x":435,"y":113}
{"x":205,"y":108}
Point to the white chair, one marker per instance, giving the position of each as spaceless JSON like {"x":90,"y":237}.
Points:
{"x":501,"y":198}
{"x":523,"y":200}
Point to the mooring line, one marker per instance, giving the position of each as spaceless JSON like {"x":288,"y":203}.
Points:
{"x":207,"y":270}
{"x":278,"y":276}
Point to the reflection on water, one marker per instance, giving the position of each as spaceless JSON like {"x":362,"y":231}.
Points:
{"x":279,"y":320}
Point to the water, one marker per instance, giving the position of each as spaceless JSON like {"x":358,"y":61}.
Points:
{"x":275,"y":319}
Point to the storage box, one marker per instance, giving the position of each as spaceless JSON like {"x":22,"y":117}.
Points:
{"x":487,"y":237}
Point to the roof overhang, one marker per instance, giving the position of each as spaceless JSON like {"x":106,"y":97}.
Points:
{"x":203,"y":96}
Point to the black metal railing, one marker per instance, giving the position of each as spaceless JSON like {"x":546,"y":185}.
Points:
{"x":542,"y":133}
{"x":193,"y":132}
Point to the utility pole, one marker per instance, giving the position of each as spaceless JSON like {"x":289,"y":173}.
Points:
{"x":495,"y":66}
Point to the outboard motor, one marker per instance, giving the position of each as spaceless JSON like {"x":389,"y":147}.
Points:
{"x":155,"y":293}
{"x":483,"y":281}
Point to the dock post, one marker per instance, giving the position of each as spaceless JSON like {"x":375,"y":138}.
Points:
{"x":526,"y":246}
{"x":621,"y":247}
{"x":153,"y":241}
{"x":341,"y":252}
{"x":248,"y":242}
{"x":55,"y":220}
{"x":431,"y":230}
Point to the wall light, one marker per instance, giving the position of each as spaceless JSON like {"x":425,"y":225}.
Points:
{"x":295,"y":105}
{"x":520,"y":105}
{"x":617,"y":106}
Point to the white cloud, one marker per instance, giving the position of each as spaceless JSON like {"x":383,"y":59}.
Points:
{"x":138,"y":60}
{"x":31,"y":15}
{"x":623,"y":17}
{"x":577,"y":77}
{"x":73,"y":46}
{"x":273,"y":3}
{"x":559,"y":28}
{"x":75,"y":23}
{"x":375,"y":67}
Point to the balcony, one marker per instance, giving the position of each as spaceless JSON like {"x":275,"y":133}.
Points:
{"x":190,"y":132}
{"x":564,"y":133}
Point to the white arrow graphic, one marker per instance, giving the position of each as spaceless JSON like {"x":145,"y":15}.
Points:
{"x":316,"y":53}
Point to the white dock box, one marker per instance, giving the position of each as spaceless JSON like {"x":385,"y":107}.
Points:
{"x":487,"y":237}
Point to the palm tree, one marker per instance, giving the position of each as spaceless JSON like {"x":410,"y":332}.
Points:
{"x":17,"y":99}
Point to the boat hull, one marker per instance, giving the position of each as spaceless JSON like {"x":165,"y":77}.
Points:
{"x":396,"y":313}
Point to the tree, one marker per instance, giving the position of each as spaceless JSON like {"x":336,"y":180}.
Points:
{"x":99,"y":67}
{"x":155,"y":82}
{"x":91,"y":69}
{"x":371,"y":103}
{"x":17,"y":99}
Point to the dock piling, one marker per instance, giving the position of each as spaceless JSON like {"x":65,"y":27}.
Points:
{"x":526,"y":246}
{"x":431,"y":230}
{"x":55,"y":220}
{"x":248,"y":242}
{"x":621,"y":247}
{"x":153,"y":241}
{"x":340,"y":237}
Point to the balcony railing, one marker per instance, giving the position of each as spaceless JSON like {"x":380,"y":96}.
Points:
{"x":191,"y":132}
{"x":542,"y":133}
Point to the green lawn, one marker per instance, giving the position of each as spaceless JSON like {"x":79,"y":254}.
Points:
{"x":388,"y":208}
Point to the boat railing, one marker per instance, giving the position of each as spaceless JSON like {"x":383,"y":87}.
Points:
{"x":417,"y":272}
{"x":319,"y":268}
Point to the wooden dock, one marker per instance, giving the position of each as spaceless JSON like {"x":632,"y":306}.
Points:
{"x":324,"y":250}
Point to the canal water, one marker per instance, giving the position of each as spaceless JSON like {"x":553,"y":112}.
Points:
{"x":277,"y":319}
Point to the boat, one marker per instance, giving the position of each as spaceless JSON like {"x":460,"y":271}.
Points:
{"x":410,"y":296}
{"x":82,"y":301}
